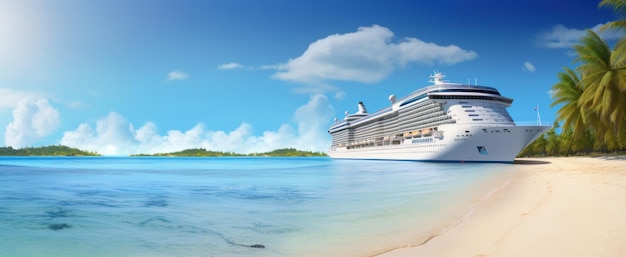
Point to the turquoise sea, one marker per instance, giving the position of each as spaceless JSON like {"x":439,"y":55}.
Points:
{"x":153,"y":206}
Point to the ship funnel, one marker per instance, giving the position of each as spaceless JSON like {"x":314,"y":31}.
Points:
{"x":362,"y":108}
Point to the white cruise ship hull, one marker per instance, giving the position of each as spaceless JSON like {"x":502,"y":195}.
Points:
{"x":452,"y":143}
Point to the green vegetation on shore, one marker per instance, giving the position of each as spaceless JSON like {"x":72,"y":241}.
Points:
{"x":592,"y":97}
{"x":52,"y":150}
{"x":201,"y":152}
{"x":61,"y":150}
{"x":289,"y":152}
{"x":553,"y":144}
{"x":197,"y":152}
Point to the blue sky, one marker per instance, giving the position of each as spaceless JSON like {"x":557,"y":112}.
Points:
{"x":146,"y":76}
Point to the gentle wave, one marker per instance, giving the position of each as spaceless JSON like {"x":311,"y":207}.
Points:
{"x":104,"y":206}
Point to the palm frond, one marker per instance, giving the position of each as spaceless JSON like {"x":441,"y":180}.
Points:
{"x":619,"y":6}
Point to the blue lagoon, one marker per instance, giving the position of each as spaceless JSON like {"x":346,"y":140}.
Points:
{"x":239,"y":206}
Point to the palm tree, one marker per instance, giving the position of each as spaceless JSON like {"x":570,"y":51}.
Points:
{"x":539,"y":146}
{"x":552,"y":141}
{"x":619,"y":6}
{"x":603,"y":74}
{"x":567,"y":92}
{"x":567,"y":143}
{"x":593,"y":97}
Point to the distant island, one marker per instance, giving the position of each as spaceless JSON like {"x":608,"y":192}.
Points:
{"x":201,"y":152}
{"x":52,"y":150}
{"x":289,"y":152}
{"x":61,"y":150}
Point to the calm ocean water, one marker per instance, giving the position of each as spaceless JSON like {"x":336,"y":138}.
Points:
{"x":151,"y":206}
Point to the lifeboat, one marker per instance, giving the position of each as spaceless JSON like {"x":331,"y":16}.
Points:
{"x":427,"y":132}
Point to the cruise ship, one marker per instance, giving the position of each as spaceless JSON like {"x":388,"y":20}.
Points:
{"x":442,"y":122}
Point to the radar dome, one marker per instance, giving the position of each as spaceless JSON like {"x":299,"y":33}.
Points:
{"x":392,"y":98}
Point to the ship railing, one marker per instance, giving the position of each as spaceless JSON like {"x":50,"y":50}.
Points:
{"x":534,"y":123}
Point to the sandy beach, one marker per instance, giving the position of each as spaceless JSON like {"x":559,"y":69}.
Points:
{"x":569,"y":206}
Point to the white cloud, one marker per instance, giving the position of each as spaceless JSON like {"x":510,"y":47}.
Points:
{"x":563,"y":37}
{"x":114,"y":135}
{"x":280,"y":66}
{"x":32,"y":120}
{"x":10,"y":98}
{"x":230,"y":66}
{"x":75,"y":104}
{"x":177,"y":75}
{"x":313,"y":119}
{"x":340,"y":95}
{"x":367,"y":55}
{"x":528,"y":66}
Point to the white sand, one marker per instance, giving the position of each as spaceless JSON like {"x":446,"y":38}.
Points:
{"x":571,"y":206}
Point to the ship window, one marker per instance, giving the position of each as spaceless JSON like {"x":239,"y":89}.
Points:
{"x":489,"y":98}
{"x":413,"y":100}
{"x":477,"y":119}
{"x":466,"y":106}
{"x":485,"y":91}
{"x":482,"y":150}
{"x":473,"y":115}
{"x":469,"y":111}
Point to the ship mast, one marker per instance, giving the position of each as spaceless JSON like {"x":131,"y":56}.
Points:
{"x":437,"y":78}
{"x":538,"y":115}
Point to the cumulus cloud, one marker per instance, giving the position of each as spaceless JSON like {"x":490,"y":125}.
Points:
{"x":367,"y":55}
{"x":32,"y":121}
{"x":230,"y":66}
{"x":177,"y":75}
{"x":114,"y":135}
{"x":562,"y":37}
{"x":312,"y":120}
{"x":528,"y":66}
{"x":11,"y":97}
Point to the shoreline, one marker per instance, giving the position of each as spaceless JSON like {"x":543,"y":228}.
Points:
{"x":554,"y":206}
